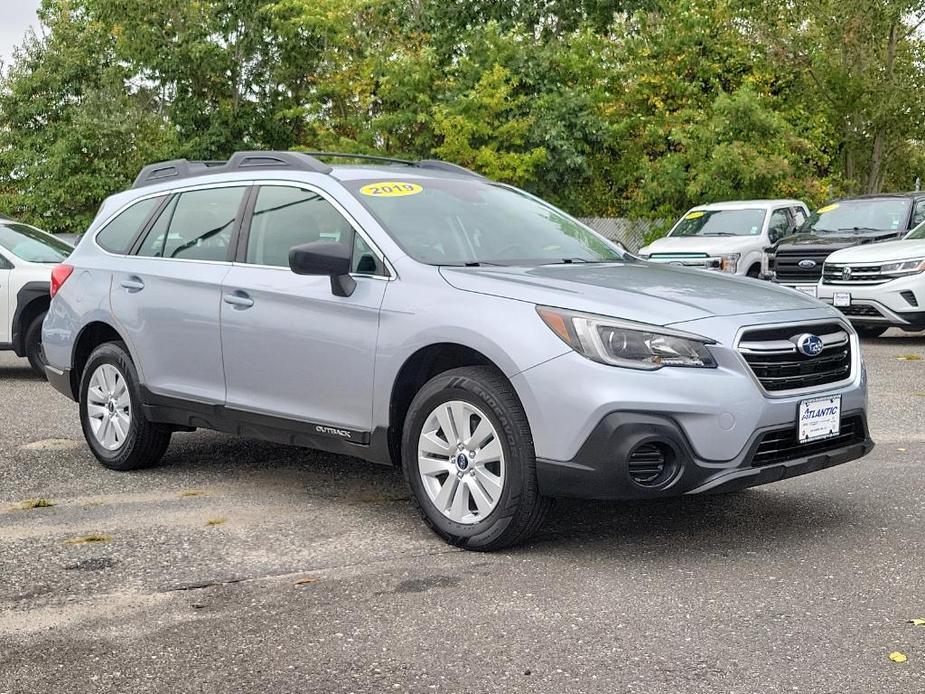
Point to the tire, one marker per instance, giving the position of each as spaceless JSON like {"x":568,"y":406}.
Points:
{"x":870,"y":331}
{"x":754,"y":271}
{"x":141,"y":443}
{"x":480,"y":394}
{"x":33,"y":343}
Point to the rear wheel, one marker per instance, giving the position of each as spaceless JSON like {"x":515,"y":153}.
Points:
{"x":870,"y":331}
{"x":35,"y":353}
{"x":468,"y":458}
{"x":111,"y":416}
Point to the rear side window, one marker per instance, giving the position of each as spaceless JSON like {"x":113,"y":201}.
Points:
{"x":117,"y":236}
{"x":197,"y":225}
{"x":285,"y":217}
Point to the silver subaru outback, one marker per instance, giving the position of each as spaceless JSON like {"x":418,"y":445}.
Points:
{"x":416,"y":314}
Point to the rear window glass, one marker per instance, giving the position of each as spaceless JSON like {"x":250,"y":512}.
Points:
{"x":117,"y":236}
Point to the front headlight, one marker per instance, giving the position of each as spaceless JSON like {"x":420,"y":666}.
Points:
{"x":729,"y":263}
{"x":903,"y":267}
{"x":624,"y":343}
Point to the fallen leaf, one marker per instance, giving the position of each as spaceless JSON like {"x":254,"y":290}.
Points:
{"x":216,"y":521}
{"x":909,"y":357}
{"x":305,"y":581}
{"x":902,"y":450}
{"x":86,"y":539}
{"x":917,"y":622}
{"x":191,"y":492}
{"x":30,"y":504}
{"x":898,"y":657}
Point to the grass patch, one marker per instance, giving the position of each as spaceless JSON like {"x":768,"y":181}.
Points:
{"x":909,"y":357}
{"x":30,"y":504}
{"x":89,"y":539}
{"x":191,"y":492}
{"x":216,"y":521}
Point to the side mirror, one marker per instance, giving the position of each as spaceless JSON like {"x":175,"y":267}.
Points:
{"x":327,"y":258}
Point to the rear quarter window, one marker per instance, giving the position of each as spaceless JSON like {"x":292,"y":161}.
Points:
{"x":118,"y":234}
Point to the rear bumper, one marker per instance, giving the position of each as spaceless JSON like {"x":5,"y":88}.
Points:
{"x":601,"y":469}
{"x":60,"y":380}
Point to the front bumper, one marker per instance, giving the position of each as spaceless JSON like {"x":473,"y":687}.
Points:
{"x":601,"y":470}
{"x":882,"y":304}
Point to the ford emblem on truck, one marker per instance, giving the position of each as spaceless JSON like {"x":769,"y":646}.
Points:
{"x":807,"y":264}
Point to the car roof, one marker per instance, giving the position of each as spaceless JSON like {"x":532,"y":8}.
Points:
{"x":748,"y":204}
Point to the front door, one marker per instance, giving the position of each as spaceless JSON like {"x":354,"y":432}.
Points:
{"x":293,"y":349}
{"x":166,"y":296}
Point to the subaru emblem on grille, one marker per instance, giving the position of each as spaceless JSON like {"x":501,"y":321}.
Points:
{"x":807,"y":264}
{"x":809,"y":345}
{"x":846,"y":273}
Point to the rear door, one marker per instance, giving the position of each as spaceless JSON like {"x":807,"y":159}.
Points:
{"x":6,"y":311}
{"x":166,"y":297}
{"x":292,"y":349}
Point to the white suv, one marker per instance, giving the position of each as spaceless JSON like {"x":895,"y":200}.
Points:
{"x":727,"y":236}
{"x":879,"y":285}
{"x":27,"y":256}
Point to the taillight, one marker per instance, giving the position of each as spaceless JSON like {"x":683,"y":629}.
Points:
{"x":59,"y":276}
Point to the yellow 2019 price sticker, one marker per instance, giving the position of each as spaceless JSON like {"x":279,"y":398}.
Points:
{"x":827,"y":208}
{"x":391,"y":189}
{"x":696,"y":214}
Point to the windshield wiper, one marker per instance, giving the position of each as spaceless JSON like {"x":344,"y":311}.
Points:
{"x":720,"y":233}
{"x":860,"y":229}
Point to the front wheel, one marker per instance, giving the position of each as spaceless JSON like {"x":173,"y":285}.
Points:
{"x":468,"y":456}
{"x":35,"y":353}
{"x":870,"y":331}
{"x":111,"y":416}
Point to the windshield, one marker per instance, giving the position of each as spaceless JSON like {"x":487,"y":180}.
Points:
{"x":458,"y":222}
{"x":720,"y":223}
{"x":32,"y":245}
{"x":859,"y":215}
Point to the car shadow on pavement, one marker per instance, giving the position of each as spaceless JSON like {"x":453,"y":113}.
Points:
{"x":753,"y":519}
{"x":19,"y":373}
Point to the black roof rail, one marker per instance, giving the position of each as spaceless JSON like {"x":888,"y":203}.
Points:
{"x":423,"y":163}
{"x":183,"y":168}
{"x":446,"y":166}
{"x":365,"y":157}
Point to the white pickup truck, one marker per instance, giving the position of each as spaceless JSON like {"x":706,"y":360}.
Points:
{"x":727,"y":236}
{"x":27,"y":256}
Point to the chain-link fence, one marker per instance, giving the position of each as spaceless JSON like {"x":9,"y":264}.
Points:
{"x":629,"y":232}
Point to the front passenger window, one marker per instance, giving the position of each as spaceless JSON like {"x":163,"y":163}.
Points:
{"x":285,"y":217}
{"x":779,"y":225}
{"x":918,"y":213}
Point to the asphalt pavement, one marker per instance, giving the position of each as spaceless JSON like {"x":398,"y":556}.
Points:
{"x":243,"y":566}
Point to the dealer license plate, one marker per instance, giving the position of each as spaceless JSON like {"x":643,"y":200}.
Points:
{"x":842,"y":299}
{"x":819,"y":418}
{"x":808,"y":289}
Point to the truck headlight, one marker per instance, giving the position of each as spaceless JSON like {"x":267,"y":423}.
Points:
{"x":903,"y":267}
{"x":625,"y":343}
{"x":729,"y":262}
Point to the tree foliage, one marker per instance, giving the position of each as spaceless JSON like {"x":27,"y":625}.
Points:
{"x":606,"y":107}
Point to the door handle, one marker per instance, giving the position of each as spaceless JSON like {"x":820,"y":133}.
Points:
{"x":132,"y":284}
{"x":238,"y":300}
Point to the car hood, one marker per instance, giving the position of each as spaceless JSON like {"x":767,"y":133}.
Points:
{"x":880,"y":252}
{"x":807,"y":241}
{"x":639,"y":291}
{"x":702,"y":244}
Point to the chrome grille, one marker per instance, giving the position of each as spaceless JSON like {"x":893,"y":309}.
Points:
{"x":779,"y":366}
{"x":843,"y":274}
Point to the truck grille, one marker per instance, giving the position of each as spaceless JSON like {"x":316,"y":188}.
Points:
{"x":853,"y":275}
{"x":781,"y":445}
{"x":787,"y":265}
{"x":777,"y":364}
